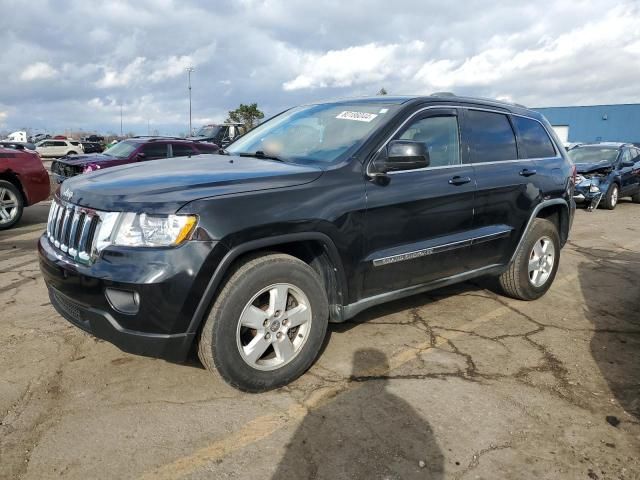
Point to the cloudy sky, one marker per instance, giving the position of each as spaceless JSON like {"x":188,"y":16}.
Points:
{"x":69,"y":64}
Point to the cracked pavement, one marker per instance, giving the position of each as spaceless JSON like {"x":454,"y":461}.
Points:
{"x":457,"y":383}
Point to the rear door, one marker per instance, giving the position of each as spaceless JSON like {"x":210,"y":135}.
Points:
{"x":182,"y":150}
{"x":418,"y":223}
{"x":628,"y":174}
{"x":155,"y":150}
{"x":506,"y":188}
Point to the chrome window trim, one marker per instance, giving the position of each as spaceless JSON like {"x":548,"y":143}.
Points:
{"x":463,"y":107}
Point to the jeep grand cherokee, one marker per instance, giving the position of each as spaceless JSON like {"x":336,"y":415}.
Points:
{"x":317,"y":214}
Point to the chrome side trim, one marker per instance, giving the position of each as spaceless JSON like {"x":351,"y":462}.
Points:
{"x":445,"y":247}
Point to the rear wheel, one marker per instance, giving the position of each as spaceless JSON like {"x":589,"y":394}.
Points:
{"x":11,"y":205}
{"x":611,"y":197}
{"x":535,"y":264}
{"x":72,"y":153}
{"x":267,"y":325}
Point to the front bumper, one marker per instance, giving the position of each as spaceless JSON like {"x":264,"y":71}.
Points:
{"x":169,"y":283}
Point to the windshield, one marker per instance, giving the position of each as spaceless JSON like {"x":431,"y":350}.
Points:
{"x":593,"y":154}
{"x":121,"y":149}
{"x":313,"y":133}
{"x":209,"y":131}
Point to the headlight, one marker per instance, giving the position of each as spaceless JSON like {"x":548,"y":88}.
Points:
{"x":143,"y":230}
{"x":594,"y":188}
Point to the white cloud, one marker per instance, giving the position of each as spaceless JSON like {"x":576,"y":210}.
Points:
{"x":130,"y":73}
{"x":170,"y":68}
{"x":38,"y":71}
{"x":3,"y":117}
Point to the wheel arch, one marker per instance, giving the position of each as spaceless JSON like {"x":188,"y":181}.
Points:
{"x":314,"y":248}
{"x":14,"y":179}
{"x":555,"y":210}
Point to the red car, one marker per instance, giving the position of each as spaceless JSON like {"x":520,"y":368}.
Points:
{"x":23,"y":182}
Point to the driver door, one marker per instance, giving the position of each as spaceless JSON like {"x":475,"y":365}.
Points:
{"x":418,"y":223}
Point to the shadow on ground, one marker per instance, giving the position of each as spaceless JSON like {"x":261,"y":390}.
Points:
{"x":367,"y":432}
{"x":610,"y":287}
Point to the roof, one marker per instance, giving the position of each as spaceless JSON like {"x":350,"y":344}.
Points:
{"x":604,"y":144}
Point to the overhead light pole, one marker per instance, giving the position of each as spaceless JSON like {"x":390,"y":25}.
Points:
{"x":120,"y":119}
{"x":189,"y":70}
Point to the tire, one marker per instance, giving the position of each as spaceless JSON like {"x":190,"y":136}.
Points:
{"x":518,"y":281}
{"x":11,"y":205}
{"x":224,"y":341}
{"x":611,"y":197}
{"x":636,"y":198}
{"x":71,"y":153}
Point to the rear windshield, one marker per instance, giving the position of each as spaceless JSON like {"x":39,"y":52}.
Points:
{"x":593,"y":154}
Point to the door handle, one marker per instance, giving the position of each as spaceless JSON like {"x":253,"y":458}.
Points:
{"x":458,"y":180}
{"x":527,"y":173}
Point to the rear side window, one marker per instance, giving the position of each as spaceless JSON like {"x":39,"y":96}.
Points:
{"x":489,"y":137}
{"x":155,"y":150}
{"x":182,"y":150}
{"x":534,"y":141}
{"x":440,"y":136}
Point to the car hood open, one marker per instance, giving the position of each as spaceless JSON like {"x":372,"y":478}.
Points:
{"x":86,"y":159}
{"x":163,"y":186}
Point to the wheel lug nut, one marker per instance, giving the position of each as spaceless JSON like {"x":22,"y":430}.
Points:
{"x":285,"y":321}
{"x":277,"y":314}
{"x":279,"y":335}
{"x":265,"y":323}
{"x":267,"y":336}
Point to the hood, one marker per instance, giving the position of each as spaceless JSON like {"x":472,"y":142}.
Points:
{"x":592,"y":167}
{"x":163,"y":186}
{"x":86,"y":159}
{"x":199,"y":138}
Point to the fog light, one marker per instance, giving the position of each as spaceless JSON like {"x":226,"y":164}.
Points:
{"x":594,"y":189}
{"x":123,"y":301}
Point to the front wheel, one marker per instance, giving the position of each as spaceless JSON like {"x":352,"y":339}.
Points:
{"x":11,"y":205}
{"x":535,"y":264}
{"x":611,"y":197}
{"x":267,"y":325}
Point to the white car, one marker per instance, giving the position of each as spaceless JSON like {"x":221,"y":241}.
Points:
{"x":58,"y":148}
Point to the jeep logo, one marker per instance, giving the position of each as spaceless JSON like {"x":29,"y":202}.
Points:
{"x":67,"y":193}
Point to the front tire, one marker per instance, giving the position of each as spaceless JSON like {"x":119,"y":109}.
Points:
{"x":611,"y":197}
{"x":11,"y":205}
{"x":267,"y":325}
{"x":535,"y":264}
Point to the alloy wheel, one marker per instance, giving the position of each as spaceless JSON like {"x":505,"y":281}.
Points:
{"x":274,"y":326}
{"x":8,"y":205}
{"x":541,"y":261}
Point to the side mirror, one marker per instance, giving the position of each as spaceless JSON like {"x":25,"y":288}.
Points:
{"x":402,"y":155}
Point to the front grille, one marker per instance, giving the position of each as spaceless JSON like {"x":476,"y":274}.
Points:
{"x":64,"y":170}
{"x":72,"y":230}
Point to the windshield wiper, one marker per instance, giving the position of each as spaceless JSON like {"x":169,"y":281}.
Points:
{"x":260,"y":154}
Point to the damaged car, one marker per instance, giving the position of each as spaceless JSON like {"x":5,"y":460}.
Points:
{"x":606,"y":173}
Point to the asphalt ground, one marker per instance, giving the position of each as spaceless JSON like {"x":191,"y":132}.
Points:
{"x":456,"y":383}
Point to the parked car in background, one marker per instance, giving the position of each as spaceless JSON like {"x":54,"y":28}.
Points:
{"x":58,"y":148}
{"x":23,"y":182}
{"x":606,"y":172}
{"x":94,"y":138}
{"x":136,"y":149}
{"x":222,"y":134}
{"x":39,"y":137}
{"x":92,"y":147}
{"x":313,"y":216}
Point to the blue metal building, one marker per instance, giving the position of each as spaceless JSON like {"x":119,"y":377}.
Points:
{"x":595,"y":123}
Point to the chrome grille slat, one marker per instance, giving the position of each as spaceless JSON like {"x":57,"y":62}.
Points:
{"x":72,"y":230}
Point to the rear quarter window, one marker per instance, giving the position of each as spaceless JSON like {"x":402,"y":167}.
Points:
{"x":533,"y":138}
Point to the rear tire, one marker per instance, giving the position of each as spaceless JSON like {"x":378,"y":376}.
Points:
{"x":258,"y":309}
{"x":611,"y":197}
{"x":11,"y":205}
{"x":535,"y":264}
{"x":71,"y":153}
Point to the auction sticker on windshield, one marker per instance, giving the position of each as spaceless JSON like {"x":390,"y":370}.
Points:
{"x":358,"y":116}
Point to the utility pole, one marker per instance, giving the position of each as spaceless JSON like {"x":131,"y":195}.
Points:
{"x":148,"y":127}
{"x":120,"y":119}
{"x":189,"y":70}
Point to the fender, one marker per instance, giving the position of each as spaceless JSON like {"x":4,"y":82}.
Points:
{"x":534,"y":214}
{"x":234,"y":253}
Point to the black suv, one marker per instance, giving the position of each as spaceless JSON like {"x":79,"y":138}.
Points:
{"x":317,"y":214}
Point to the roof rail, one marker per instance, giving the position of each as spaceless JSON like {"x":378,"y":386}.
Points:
{"x":443,"y":94}
{"x":158,"y":137}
